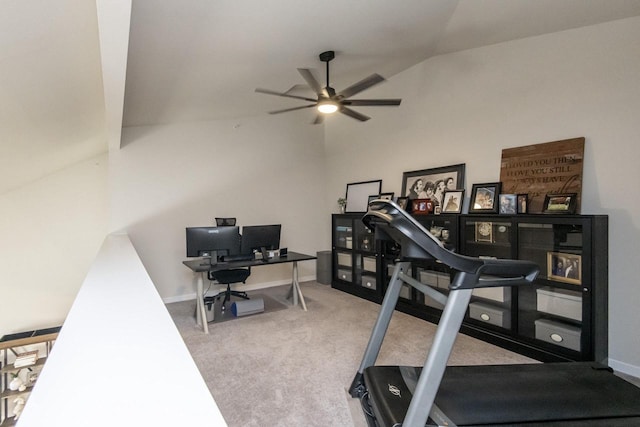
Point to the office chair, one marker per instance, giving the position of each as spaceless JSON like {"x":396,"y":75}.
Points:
{"x":227,"y":277}
{"x":225,"y":222}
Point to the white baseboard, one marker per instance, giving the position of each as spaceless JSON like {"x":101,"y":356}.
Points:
{"x":246,"y":288}
{"x":625,"y":368}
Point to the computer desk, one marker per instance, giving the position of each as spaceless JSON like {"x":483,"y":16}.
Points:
{"x":201,"y":268}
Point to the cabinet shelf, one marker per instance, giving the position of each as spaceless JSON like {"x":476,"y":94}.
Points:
{"x":11,"y":368}
{"x":513,"y":321}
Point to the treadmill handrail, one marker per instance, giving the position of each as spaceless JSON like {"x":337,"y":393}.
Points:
{"x":390,"y":221}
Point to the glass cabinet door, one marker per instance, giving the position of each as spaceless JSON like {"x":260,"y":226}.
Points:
{"x":491,"y":237}
{"x":551,"y":312}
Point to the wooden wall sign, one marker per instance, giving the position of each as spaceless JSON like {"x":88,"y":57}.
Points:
{"x":541,"y":169}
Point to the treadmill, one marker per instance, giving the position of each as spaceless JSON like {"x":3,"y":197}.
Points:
{"x":551,"y":394}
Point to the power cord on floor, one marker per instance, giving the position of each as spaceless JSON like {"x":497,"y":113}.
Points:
{"x":364,"y":400}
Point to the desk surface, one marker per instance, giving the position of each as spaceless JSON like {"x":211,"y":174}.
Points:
{"x":199,"y":265}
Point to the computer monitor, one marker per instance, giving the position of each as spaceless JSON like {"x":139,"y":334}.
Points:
{"x":212,"y":242}
{"x":260,"y":238}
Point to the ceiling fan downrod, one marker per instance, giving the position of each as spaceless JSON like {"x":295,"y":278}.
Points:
{"x":327,"y":57}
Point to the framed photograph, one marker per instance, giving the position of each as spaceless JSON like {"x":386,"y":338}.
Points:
{"x":523,"y":201}
{"x":564,"y":267}
{"x":452,"y":201}
{"x":358,"y":194}
{"x":421,"y":206}
{"x":484,"y":232}
{"x":432,"y":183}
{"x":560,"y":203}
{"x":402,"y":202}
{"x":484,"y":198}
{"x":386,"y":196}
{"x":508,"y":204}
{"x":372,"y":198}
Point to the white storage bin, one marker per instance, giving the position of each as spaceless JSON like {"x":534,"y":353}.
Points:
{"x":428,"y":277}
{"x":405,"y":291}
{"x":369,"y":263}
{"x":491,"y":314}
{"x":434,"y":278}
{"x":349,"y":243}
{"x":500,"y":294}
{"x":560,"y":302}
{"x":444,"y":280}
{"x":344,"y":259}
{"x":558,"y":333}
{"x":369,"y":282}
{"x":344,"y":274}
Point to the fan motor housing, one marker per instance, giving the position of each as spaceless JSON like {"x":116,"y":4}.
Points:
{"x":327,"y":56}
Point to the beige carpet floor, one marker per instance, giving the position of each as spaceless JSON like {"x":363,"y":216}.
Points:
{"x":292,"y":368}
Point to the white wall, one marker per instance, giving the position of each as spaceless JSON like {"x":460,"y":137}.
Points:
{"x":51,"y":231}
{"x":262,"y":170}
{"x":467,"y":107}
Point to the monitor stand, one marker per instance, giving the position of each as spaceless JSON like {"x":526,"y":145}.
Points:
{"x":214,"y":258}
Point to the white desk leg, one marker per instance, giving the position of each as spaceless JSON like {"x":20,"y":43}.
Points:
{"x":295,"y":287}
{"x":201,"y":314}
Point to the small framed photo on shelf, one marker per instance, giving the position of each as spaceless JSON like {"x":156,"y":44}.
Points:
{"x":484,"y":198}
{"x":452,"y":201}
{"x":421,"y":206}
{"x":484,"y":232}
{"x":508,"y":204}
{"x":386,"y":196}
{"x":564,"y":267}
{"x":560,"y":203}
{"x":523,"y":201}
{"x":402,"y":202}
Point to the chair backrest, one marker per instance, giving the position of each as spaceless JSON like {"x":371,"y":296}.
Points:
{"x":225,"y":222}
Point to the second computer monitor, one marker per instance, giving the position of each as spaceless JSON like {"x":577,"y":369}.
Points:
{"x":256,"y":238}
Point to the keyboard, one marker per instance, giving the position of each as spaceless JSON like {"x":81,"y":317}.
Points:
{"x":238,"y":257}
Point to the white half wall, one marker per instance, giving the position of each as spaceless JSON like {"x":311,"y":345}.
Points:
{"x":261,"y":170}
{"x":51,"y":231}
{"x":467,"y":107}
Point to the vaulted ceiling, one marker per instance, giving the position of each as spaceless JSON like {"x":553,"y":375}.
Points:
{"x":66,"y":89}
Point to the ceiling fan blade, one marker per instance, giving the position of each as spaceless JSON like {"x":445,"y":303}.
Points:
{"x":354,"y":114}
{"x":286,"y":95}
{"x":364,"y":84}
{"x":311,"y":80}
{"x":371,"y":102}
{"x":291,"y":109}
{"x":319,"y":119}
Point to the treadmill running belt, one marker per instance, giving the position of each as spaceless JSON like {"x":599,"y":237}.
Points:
{"x":513,"y":394}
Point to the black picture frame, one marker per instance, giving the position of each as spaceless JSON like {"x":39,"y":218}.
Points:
{"x":451,"y":177}
{"x":358,"y":194}
{"x":508,"y":204}
{"x":452,"y":201}
{"x":402,"y":202}
{"x":386,"y":196}
{"x":560,"y":203}
{"x":484,"y":198}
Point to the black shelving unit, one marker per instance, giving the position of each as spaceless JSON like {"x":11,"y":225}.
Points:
{"x":562,"y":317}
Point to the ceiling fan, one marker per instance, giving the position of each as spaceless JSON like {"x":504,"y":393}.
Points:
{"x":328,"y":100}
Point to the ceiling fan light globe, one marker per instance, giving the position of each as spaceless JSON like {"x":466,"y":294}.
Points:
{"x":327,"y":107}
